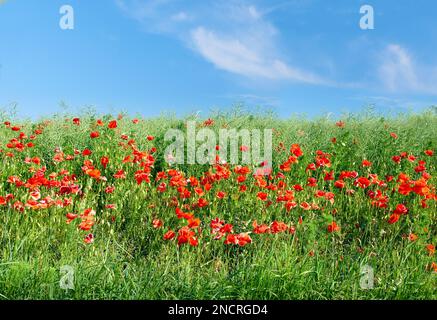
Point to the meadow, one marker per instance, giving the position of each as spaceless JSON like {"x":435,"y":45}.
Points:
{"x":347,"y":212}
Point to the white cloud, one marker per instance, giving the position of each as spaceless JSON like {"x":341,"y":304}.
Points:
{"x":231,"y":54}
{"x":253,"y":11}
{"x":237,"y":36}
{"x":398,"y":72}
{"x":234,"y":36}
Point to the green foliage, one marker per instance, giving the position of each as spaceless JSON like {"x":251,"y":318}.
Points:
{"x":130,"y":260}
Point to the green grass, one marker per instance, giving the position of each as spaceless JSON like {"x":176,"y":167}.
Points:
{"x":130,"y":260}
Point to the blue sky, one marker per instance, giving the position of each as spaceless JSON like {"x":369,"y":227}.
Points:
{"x":152,"y":56}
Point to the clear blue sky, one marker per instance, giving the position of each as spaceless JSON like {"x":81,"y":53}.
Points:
{"x":149,"y":56}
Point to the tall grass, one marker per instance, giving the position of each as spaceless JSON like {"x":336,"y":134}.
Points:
{"x":130,"y":260}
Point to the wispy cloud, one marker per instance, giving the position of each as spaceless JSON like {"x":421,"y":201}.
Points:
{"x":235,"y":37}
{"x":239,"y":37}
{"x":399,"y":72}
{"x":236,"y":55}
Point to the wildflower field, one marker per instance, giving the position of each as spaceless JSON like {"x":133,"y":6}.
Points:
{"x":347,"y":211}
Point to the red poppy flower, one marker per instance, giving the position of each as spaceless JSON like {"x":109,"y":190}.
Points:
{"x":312,"y":182}
{"x":240,"y":239}
{"x":93,"y":173}
{"x":339,"y":184}
{"x":241,"y":178}
{"x":162,"y":187}
{"x":35,"y":195}
{"x":262,"y":196}
{"x":296,"y":150}
{"x":305,"y":205}
{"x":94,"y":134}
{"x":216,"y":224}
{"x":366,"y":163}
{"x":88,"y":219}
{"x":260,"y":229}
{"x":227,"y":228}
{"x":431,"y":249}
{"x":221,"y":194}
{"x":169,"y":235}
{"x":242,"y":170}
{"x":333,"y":227}
{"x":104,"y":161}
{"x":71,"y":216}
{"x":180,"y":214}
{"x":329,"y":176}
{"x":202,"y":203}
{"x":393,"y":218}
{"x":120,"y":174}
{"x":208,"y":122}
{"x":298,"y":187}
{"x":400,"y":209}
{"x":290,"y":205}
{"x":157,"y":223}
{"x":89,"y":238}
{"x":320,"y":193}
{"x":362,"y":182}
{"x":243,"y":239}
{"x":411,"y":158}
{"x":412,"y":237}
{"x":277,"y":227}
{"x":112,"y":124}
{"x":311,"y":166}
{"x":193,"y":223}
{"x":186,"y":235}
